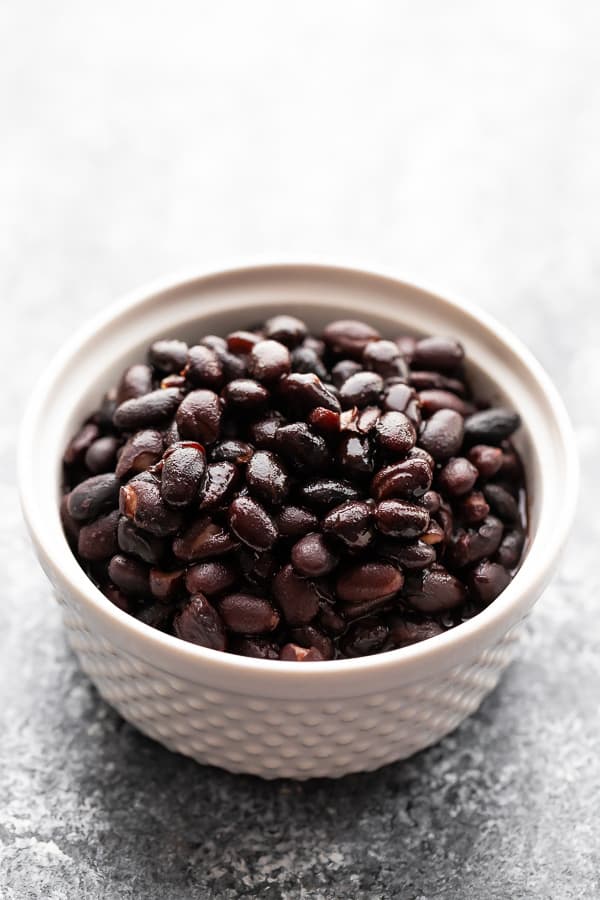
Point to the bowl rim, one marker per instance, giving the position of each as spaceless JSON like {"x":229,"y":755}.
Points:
{"x":172,"y":654}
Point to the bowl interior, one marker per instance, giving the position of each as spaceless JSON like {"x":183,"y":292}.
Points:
{"x":500,"y":369}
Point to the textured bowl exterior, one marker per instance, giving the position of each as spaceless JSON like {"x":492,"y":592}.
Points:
{"x":286,"y":738}
{"x":282,"y":718}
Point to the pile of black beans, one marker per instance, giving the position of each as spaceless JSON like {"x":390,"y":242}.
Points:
{"x":285,"y":496}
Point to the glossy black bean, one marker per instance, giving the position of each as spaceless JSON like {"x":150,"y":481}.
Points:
{"x":295,"y":521}
{"x":141,"y":500}
{"x":168,"y":355}
{"x":433,"y":400}
{"x":203,"y":539}
{"x":98,"y":539}
{"x":311,"y":556}
{"x":256,"y":647}
{"x":349,"y":337}
{"x":399,"y":518}
{"x":405,"y":632}
{"x":457,"y":477}
{"x":200,"y":623}
{"x":296,"y":597}
{"x":487,"y":460}
{"x":410,"y":555}
{"x":374,"y":580}
{"x":511,"y":548}
{"x":94,"y":496}
{"x":286,"y":329}
{"x":502,"y":503}
{"x":355,"y":454}
{"x":343,"y":370}
{"x":134,"y":542}
{"x":135,"y":382}
{"x":491,"y":426}
{"x":364,"y":637}
{"x":252,"y":524}
{"x":395,"y":433}
{"x":221,"y":478}
{"x":267,"y":478}
{"x":407,"y":479}
{"x":184,"y":467}
{"x":268,"y":361}
{"x":362,"y":389}
{"x":246,"y":396}
{"x":301,"y":393}
{"x":427,"y":381}
{"x":384,"y":357}
{"x":488,"y":580}
{"x":101,"y":455}
{"x":167,"y":587}
{"x":247,"y":614}
{"x":199,"y":417}
{"x":313,"y":638}
{"x":351,"y":523}
{"x":438,"y":353}
{"x":79,"y":444}
{"x":210,"y":577}
{"x":233,"y":451}
{"x":301,"y":446}
{"x":472,"y":545}
{"x":306,"y":361}
{"x":442,"y":434}
{"x":399,"y":397}
{"x":437,"y":591}
{"x":327,"y":492}
{"x":148,"y":411}
{"x":142,"y":450}
{"x":204,"y":368}
{"x":130,"y":575}
{"x":473,"y":508}
{"x":263,"y":431}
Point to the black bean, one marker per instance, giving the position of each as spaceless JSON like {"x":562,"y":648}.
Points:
{"x":511,"y":468}
{"x":267,"y":477}
{"x":427,"y":381}
{"x":395,"y":432}
{"x":242,"y":341}
{"x":204,"y":367}
{"x":155,"y":408}
{"x":473,"y":508}
{"x":367,"y":419}
{"x":457,"y":477}
{"x":488,"y":580}
{"x":221,"y":478}
{"x":301,"y":446}
{"x":263,"y":431}
{"x":200,"y":623}
{"x":306,"y":361}
{"x":252,"y":524}
{"x":79,"y":444}
{"x":442,"y":434}
{"x":431,"y":500}
{"x":98,"y":539}
{"x":325,"y":421}
{"x":375,"y":580}
{"x":502,"y":503}
{"x":202,"y":539}
{"x":296,"y":597}
{"x":433,"y":534}
{"x":294,"y":653}
{"x":101,"y":455}
{"x":343,"y":370}
{"x":247,"y":614}
{"x":351,"y":523}
{"x":233,"y":451}
{"x":331,"y":622}
{"x":135,"y":382}
{"x":70,"y":526}
{"x":384,"y":357}
{"x":301,"y":393}
{"x":327,"y":492}
{"x":199,"y":417}
{"x":312,"y":557}
{"x":487,"y":460}
{"x":167,"y":587}
{"x":410,"y":555}
{"x":245,"y":395}
{"x":268,"y":361}
{"x":116,"y":596}
{"x":406,"y":479}
{"x":398,"y":518}
{"x":173,"y":381}
{"x":361,"y":390}
{"x":287,"y":329}
{"x":491,"y":426}
{"x":134,"y":542}
{"x":366,"y":636}
{"x":142,"y":450}
{"x":234,"y":367}
{"x":130,"y":575}
{"x":405,"y":632}
{"x":438,"y":353}
{"x":313,"y":639}
{"x":256,"y":647}
{"x":184,"y":466}
{"x":511,"y":548}
{"x":437,"y":592}
{"x":141,"y":501}
{"x":168,"y":355}
{"x":349,"y":337}
{"x":294,"y":521}
{"x":473,"y":545}
{"x":94,"y":496}
{"x":210,"y":577}
{"x":399,"y":397}
{"x":355,"y":454}
{"x":406,"y":344}
{"x":434,"y":400}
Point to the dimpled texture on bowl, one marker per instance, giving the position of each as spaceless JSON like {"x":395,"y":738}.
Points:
{"x":281,"y":718}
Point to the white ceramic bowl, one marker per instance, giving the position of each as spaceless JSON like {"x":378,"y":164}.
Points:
{"x":277,"y":718}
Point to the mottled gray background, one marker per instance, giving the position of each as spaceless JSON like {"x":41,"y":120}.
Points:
{"x":454,"y":143}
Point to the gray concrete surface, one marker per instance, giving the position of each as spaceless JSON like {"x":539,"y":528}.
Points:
{"x":456,"y":144}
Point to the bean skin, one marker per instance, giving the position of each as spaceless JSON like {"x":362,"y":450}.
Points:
{"x":252,"y":524}
{"x":256,"y":647}
{"x":184,"y":467}
{"x":94,"y":496}
{"x":511,"y":548}
{"x":200,"y":623}
{"x":305,"y":361}
{"x":142,"y":450}
{"x":147,"y":411}
{"x":312,"y":557}
{"x":343,"y":370}
{"x":351,"y":523}
{"x":241,"y":341}
{"x":141,"y":501}
{"x":238,"y":452}
{"x":305,"y":392}
{"x":294,"y":653}
{"x":491,"y":426}
{"x":98,"y":539}
{"x":369,"y":581}
{"x":221,"y":478}
{"x":267,"y":478}
{"x":325,"y":421}
{"x":327,"y":492}
{"x":247,"y":614}
{"x":398,"y":518}
{"x":246,"y":395}
{"x":434,"y":400}
{"x":312,"y":638}
{"x":349,"y":337}
{"x":384,"y":357}
{"x":355,"y":454}
{"x":264,"y":431}
{"x":70,"y":526}
{"x":399,"y":397}
{"x":210,"y":577}
{"x":473,"y":508}
{"x":199,"y":417}
{"x":471,"y":546}
{"x":410,"y":555}
{"x":425,"y":381}
{"x":296,"y":597}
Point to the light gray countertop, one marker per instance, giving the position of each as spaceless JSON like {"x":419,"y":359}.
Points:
{"x":455,"y":144}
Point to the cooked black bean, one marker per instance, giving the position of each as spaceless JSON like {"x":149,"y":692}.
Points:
{"x":294,"y":521}
{"x":487,"y":460}
{"x":142,"y":450}
{"x":351,"y":523}
{"x":439,"y":353}
{"x":219,"y":483}
{"x":312,"y":557}
{"x":202,"y":539}
{"x":94,"y":496}
{"x":200,"y":623}
{"x":437,"y":591}
{"x":199,"y":417}
{"x":134,"y":542}
{"x":327,"y":492}
{"x":457,"y":477}
{"x":366,"y":636}
{"x":184,"y":466}
{"x":375,"y":580}
{"x":301,"y":446}
{"x":267,"y":477}
{"x":488,"y":580}
{"x":361,"y":389}
{"x":168,"y":356}
{"x":252,"y":524}
{"x":98,"y":539}
{"x":409,"y":478}
{"x":166,"y":586}
{"x":204,"y":368}
{"x":247,"y":614}
{"x":135,"y":382}
{"x":395,"y":433}
{"x":301,"y":393}
{"x":155,"y":408}
{"x":399,"y":518}
{"x":502,"y":503}
{"x":491,"y":426}
{"x":269,"y":498}
{"x":349,"y":337}
{"x":130,"y":575}
{"x":141,"y":501}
